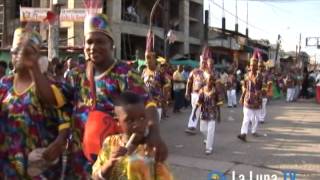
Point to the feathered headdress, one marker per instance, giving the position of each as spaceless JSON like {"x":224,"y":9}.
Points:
{"x":95,"y":21}
{"x":150,"y":43}
{"x":27,"y":35}
{"x":150,"y":35}
{"x":254,"y":58}
{"x":206,"y":53}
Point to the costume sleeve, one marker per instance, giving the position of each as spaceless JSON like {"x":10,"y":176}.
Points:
{"x":162,"y":172}
{"x":189,"y":83}
{"x":201,"y":98}
{"x":135,"y":84}
{"x":103,"y":156}
{"x":220,"y":92}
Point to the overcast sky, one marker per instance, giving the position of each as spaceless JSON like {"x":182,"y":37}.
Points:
{"x":268,"y":18}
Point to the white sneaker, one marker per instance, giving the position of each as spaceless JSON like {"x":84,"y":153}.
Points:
{"x":208,"y":151}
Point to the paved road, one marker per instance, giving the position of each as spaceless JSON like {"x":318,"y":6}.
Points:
{"x":292,"y":142}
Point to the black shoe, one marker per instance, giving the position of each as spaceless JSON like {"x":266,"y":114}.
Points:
{"x":229,"y":106}
{"x":191,"y":131}
{"x":256,"y":135}
{"x":234,"y":106}
{"x":242,"y":137}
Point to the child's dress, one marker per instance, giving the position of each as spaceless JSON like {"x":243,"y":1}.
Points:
{"x":140,"y":165}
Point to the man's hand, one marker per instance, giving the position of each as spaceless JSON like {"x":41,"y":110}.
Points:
{"x":29,"y":57}
{"x":155,"y":141}
{"x":187,"y":96}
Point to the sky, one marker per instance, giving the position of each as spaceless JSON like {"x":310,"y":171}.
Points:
{"x":268,"y":18}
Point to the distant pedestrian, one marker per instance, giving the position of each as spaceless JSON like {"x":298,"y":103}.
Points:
{"x":178,"y":89}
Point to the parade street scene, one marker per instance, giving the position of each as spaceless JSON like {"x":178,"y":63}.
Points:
{"x":159,"y":90}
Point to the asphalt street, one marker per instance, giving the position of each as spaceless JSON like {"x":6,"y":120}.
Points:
{"x":290,"y":141}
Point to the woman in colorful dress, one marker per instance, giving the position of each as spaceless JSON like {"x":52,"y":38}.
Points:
{"x":29,"y":117}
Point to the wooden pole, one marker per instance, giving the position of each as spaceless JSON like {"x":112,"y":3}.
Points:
{"x":53,"y":39}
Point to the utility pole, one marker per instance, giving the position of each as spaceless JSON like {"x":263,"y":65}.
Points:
{"x":277,"y":52}
{"x":53,"y":39}
{"x":166,"y":28}
{"x":236,"y":25}
{"x":206,"y":26}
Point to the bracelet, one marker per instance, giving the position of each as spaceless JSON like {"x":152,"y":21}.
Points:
{"x":151,"y":104}
{"x":100,"y":175}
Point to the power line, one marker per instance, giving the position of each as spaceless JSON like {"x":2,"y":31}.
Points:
{"x":255,"y":27}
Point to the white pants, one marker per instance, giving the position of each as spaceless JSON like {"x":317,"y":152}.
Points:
{"x":194,"y":100}
{"x":290,"y":94}
{"x":249,"y":115}
{"x":232,"y":97}
{"x":208,"y":128}
{"x":159,"y":113}
{"x":263,"y":110}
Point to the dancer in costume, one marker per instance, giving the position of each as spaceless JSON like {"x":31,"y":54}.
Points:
{"x":30,"y":118}
{"x":208,"y":103}
{"x":154,"y":80}
{"x":266,"y":86}
{"x":95,"y":87}
{"x":195,"y":82}
{"x":251,"y":99}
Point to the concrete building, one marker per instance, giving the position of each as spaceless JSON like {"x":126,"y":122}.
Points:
{"x":185,"y":18}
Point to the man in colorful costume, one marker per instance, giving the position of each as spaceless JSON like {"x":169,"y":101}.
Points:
{"x":196,"y":80}
{"x":109,"y":78}
{"x":153,"y":79}
{"x":251,"y":99}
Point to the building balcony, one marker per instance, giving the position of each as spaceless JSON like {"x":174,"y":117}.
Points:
{"x":137,"y":29}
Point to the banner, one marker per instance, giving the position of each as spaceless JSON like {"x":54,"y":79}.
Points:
{"x":39,"y":14}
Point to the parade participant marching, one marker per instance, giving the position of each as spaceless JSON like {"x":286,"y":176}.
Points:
{"x":266,"y":85}
{"x":208,"y":104}
{"x":289,"y":83}
{"x":231,"y":86}
{"x":126,"y":155}
{"x":251,"y":99}
{"x":219,"y":86}
{"x":30,"y":121}
{"x":195,"y":82}
{"x":94,"y":89}
{"x":154,"y":80}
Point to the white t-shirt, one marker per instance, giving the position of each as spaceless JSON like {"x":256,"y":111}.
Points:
{"x":178,"y":77}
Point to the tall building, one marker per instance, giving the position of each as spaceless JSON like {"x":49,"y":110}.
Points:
{"x":130,"y":23}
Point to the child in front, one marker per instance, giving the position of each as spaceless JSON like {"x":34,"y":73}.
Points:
{"x":208,"y":102}
{"x":121,"y":159}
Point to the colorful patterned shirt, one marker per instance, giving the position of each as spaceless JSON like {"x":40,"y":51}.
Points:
{"x":136,"y":166}
{"x":25,"y":124}
{"x":154,"y":82}
{"x":208,"y":102}
{"x":251,"y":96}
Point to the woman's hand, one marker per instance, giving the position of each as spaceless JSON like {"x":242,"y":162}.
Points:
{"x":54,"y":150}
